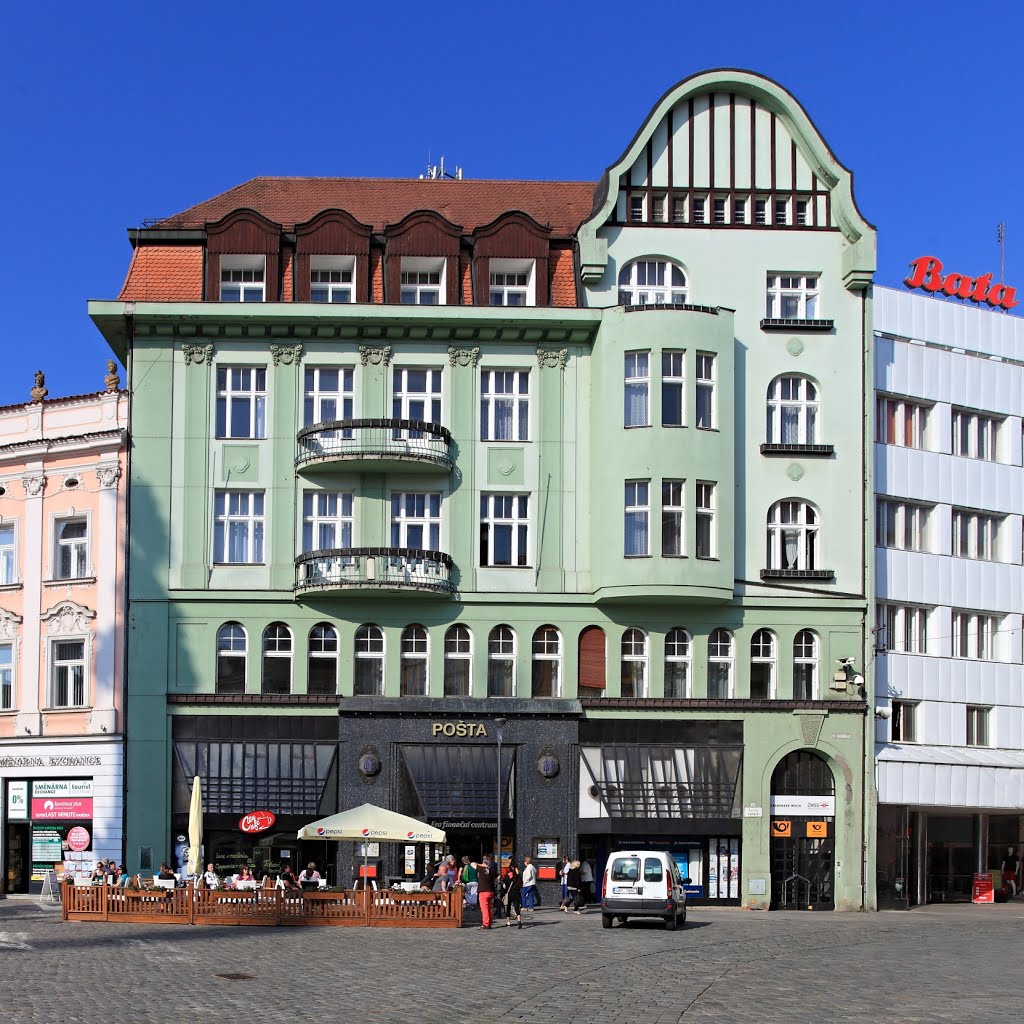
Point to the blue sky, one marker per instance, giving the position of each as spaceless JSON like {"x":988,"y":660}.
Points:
{"x":116,"y":112}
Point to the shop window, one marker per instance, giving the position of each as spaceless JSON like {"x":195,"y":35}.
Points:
{"x":458,"y":662}
{"x":415,"y":658}
{"x":232,"y":648}
{"x":547,"y":662}
{"x":368,"y":671}
{"x":277,"y":659}
{"x":501,"y":662}
{"x":323,"y":659}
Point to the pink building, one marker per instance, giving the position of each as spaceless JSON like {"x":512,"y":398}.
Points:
{"x":63,"y":515}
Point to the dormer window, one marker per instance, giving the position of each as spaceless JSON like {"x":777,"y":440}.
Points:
{"x":242,"y":278}
{"x":422,"y":281}
{"x":511,"y":283}
{"x":331,"y":279}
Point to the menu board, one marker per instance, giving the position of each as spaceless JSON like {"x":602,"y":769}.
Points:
{"x":47,"y":843}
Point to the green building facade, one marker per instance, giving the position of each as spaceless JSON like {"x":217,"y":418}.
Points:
{"x":618,"y":520}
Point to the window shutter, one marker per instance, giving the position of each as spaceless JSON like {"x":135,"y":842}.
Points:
{"x":592,"y":658}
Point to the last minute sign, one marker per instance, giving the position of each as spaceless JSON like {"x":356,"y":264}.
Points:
{"x":927,"y":273}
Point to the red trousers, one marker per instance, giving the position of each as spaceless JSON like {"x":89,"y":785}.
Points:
{"x":487,"y":908}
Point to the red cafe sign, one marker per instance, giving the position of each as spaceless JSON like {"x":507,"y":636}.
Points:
{"x":926,"y":273}
{"x":256,"y":821}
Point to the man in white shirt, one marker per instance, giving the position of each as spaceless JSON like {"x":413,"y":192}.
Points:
{"x":587,"y":881}
{"x":210,"y":878}
{"x":529,"y":885}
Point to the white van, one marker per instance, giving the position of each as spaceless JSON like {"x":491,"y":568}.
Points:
{"x":643,"y":883}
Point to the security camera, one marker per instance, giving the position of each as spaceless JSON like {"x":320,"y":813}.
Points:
{"x":883,"y":713}
{"x":846,"y":662}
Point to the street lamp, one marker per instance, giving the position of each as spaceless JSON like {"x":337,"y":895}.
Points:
{"x":499,"y":725}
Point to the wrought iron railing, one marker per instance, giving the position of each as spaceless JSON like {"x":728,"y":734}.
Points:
{"x":380,"y":439}
{"x":370,"y":568}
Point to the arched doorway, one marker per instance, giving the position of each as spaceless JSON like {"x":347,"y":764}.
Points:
{"x":803,"y":809}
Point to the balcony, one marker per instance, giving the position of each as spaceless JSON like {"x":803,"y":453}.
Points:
{"x":374,"y":571}
{"x":374,"y":444}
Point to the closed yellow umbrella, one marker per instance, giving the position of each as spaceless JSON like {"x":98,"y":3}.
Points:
{"x":195,"y":827}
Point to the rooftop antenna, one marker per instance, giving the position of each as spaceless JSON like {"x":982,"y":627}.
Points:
{"x":438,"y":172}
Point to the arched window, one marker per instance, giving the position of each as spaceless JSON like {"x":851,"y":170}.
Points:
{"x":591,"y":660}
{"x":368,"y":671}
{"x":547,"y":662}
{"x":323,"y":659}
{"x":458,"y":662}
{"x":634,"y":663}
{"x":415,"y":654}
{"x":677,"y":663}
{"x":277,"y":658}
{"x":805,"y":665}
{"x":762,"y":665}
{"x":792,"y":536}
{"x":650,"y":282}
{"x":232,"y":647}
{"x":501,"y":662}
{"x":720,"y":664}
{"x":792,"y":411}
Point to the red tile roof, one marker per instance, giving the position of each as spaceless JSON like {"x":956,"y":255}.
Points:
{"x":164,"y":273}
{"x":560,"y":205}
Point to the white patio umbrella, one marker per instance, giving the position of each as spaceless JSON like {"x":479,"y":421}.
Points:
{"x":371,"y":824}
{"x":195,"y":827}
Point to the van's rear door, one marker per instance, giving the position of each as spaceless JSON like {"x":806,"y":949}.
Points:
{"x":655,"y":888}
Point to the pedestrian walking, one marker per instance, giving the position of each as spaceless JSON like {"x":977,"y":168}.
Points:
{"x":529,"y":886}
{"x":586,"y":882}
{"x":468,"y":879}
{"x":485,"y":882}
{"x":563,"y":872}
{"x":572,"y":887}
{"x":511,"y":894}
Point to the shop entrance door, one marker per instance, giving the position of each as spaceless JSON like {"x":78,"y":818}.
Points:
{"x":19,"y":858}
{"x":802,"y":870}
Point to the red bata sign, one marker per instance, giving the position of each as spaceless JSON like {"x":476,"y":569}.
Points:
{"x":926,"y":273}
{"x":256,"y":821}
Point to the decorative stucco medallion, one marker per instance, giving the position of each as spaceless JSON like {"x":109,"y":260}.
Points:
{"x":33,"y":485}
{"x":794,"y":346}
{"x":463,"y":356}
{"x":795,"y":471}
{"x":552,"y":358}
{"x":197,"y":355}
{"x":375,"y":356}
{"x":286,"y":354}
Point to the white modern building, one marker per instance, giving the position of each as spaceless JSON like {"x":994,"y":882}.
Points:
{"x":949,"y":382}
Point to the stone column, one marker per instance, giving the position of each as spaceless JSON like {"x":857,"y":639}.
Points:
{"x":980,"y":843}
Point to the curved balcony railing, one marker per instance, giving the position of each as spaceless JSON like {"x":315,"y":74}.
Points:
{"x":374,"y":440}
{"x":374,"y":569}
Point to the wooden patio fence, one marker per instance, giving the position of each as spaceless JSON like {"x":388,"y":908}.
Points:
{"x":190,"y":905}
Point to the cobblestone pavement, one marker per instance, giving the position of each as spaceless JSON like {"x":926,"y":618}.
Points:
{"x":953,"y":963}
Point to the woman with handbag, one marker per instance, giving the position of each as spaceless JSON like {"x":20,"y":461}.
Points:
{"x":512,"y":894}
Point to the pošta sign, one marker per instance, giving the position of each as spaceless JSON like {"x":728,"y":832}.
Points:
{"x":256,"y":821}
{"x":458,"y":729}
{"x":926,"y":273}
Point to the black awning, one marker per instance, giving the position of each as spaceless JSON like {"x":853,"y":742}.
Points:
{"x":454,"y":780}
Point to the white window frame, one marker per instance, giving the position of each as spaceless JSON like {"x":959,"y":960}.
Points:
{"x":637,"y":513}
{"x":706,"y":417}
{"x":9,"y":555}
{"x":788,"y":395}
{"x":975,"y":534}
{"x":458,"y":650}
{"x":421,"y":278}
{"x":722,"y":653}
{"x":792,"y":296}
{"x":245,"y":386}
{"x":673,"y":518}
{"x":8,"y":676}
{"x":318,"y":652}
{"x":365,"y":650}
{"x":678,"y":652}
{"x":804,"y":639}
{"x":547,"y":650}
{"x":673,"y":381}
{"x":55,"y":667}
{"x":413,"y":404}
{"x":636,"y":387}
{"x":245,"y":274}
{"x":316,"y":397}
{"x":79,"y":548}
{"x":901,"y":422}
{"x":901,"y":525}
{"x":277,"y":647}
{"x":705,"y":515}
{"x":254,"y":519}
{"x":902,"y":628}
{"x":501,"y":649}
{"x":413,"y":510}
{"x":904,"y":721}
{"x":226,"y":652}
{"x":975,"y":435}
{"x":798,"y":521}
{"x":327,"y":511}
{"x":764,"y":651}
{"x":514,"y":280}
{"x":504,"y":392}
{"x":414,"y":654}
{"x":500,"y":513}
{"x":332,"y":277}
{"x":650,"y":281}
{"x":975,"y":634}
{"x":979,"y":726}
{"x":635,"y":658}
